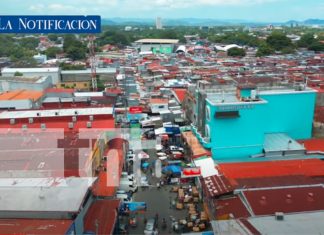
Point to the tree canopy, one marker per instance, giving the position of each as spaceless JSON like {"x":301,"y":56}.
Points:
{"x":52,"y":51}
{"x":236,"y":52}
{"x":264,"y":50}
{"x":306,"y":40}
{"x":278,"y":41}
{"x":74,"y":48}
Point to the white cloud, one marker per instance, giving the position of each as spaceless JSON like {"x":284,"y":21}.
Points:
{"x":106,"y":7}
{"x":60,"y":7}
{"x":37,"y":7}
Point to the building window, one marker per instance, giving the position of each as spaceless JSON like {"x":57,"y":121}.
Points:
{"x":207,"y":113}
{"x":229,"y":114}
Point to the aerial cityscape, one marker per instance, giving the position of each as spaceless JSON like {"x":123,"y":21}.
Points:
{"x":161,"y":117}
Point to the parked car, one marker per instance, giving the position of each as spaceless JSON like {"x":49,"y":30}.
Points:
{"x":130,"y":157}
{"x":124,"y":197}
{"x":176,"y":148}
{"x":125,"y":175}
{"x":150,"y":227}
{"x":127,"y":185}
{"x":177,"y":155}
{"x":150,"y":121}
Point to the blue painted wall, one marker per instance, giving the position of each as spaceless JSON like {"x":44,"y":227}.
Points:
{"x":238,"y":138}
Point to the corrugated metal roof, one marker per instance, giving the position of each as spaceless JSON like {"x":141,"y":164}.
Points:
{"x":193,"y":143}
{"x":234,"y":205}
{"x":300,"y":223}
{"x":309,"y":167}
{"x":30,"y":70}
{"x":25,"y":194}
{"x":286,"y":180}
{"x":159,"y":41}
{"x":314,"y":144}
{"x":21,"y":95}
{"x":102,"y":213}
{"x":280,"y":142}
{"x":287,"y":200}
{"x":56,"y":112}
{"x":216,"y":185}
{"x":34,"y":226}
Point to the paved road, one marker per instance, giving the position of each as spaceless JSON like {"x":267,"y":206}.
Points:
{"x":158,"y":201}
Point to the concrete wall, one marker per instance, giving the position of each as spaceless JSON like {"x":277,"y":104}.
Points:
{"x":157,"y":48}
{"x":19,"y":85}
{"x":87,"y":77}
{"x":54,"y":75}
{"x":16,"y":104}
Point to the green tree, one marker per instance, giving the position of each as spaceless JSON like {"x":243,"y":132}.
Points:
{"x":74,"y":48}
{"x":115,"y":38}
{"x":65,"y":66}
{"x":264,"y":50}
{"x":29,"y":43}
{"x":52,"y":37}
{"x":316,"y":46}
{"x":236,"y":52}
{"x":18,"y":74}
{"x":52,"y":51}
{"x":306,"y":40}
{"x":76,"y":53}
{"x":278,"y":41}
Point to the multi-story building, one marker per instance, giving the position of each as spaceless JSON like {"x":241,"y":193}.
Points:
{"x":16,"y":83}
{"x":249,"y":121}
{"x":163,"y":46}
{"x":158,"y":23}
{"x":54,"y":72}
{"x":54,"y":206}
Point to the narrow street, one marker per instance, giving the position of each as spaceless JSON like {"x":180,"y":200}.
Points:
{"x":159,"y":201}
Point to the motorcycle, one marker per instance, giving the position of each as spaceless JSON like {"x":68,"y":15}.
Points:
{"x":164,"y":224}
{"x":133,"y":222}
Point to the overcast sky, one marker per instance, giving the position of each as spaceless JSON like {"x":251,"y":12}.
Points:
{"x":255,"y":10}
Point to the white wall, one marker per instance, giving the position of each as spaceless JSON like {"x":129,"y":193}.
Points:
{"x":17,"y":104}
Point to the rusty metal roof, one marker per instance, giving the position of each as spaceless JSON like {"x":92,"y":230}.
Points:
{"x":287,"y":200}
{"x":216,"y":185}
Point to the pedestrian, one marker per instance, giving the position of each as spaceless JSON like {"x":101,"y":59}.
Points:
{"x":158,"y":185}
{"x":156,"y":219}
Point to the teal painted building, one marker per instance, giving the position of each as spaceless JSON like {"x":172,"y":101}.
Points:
{"x":235,"y":125}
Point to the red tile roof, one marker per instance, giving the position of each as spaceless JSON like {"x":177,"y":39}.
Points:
{"x":102,"y":213}
{"x":35,"y":227}
{"x":180,"y":94}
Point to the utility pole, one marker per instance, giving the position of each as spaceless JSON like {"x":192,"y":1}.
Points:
{"x":92,"y":59}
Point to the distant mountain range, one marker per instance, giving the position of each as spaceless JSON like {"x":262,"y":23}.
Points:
{"x":202,"y":22}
